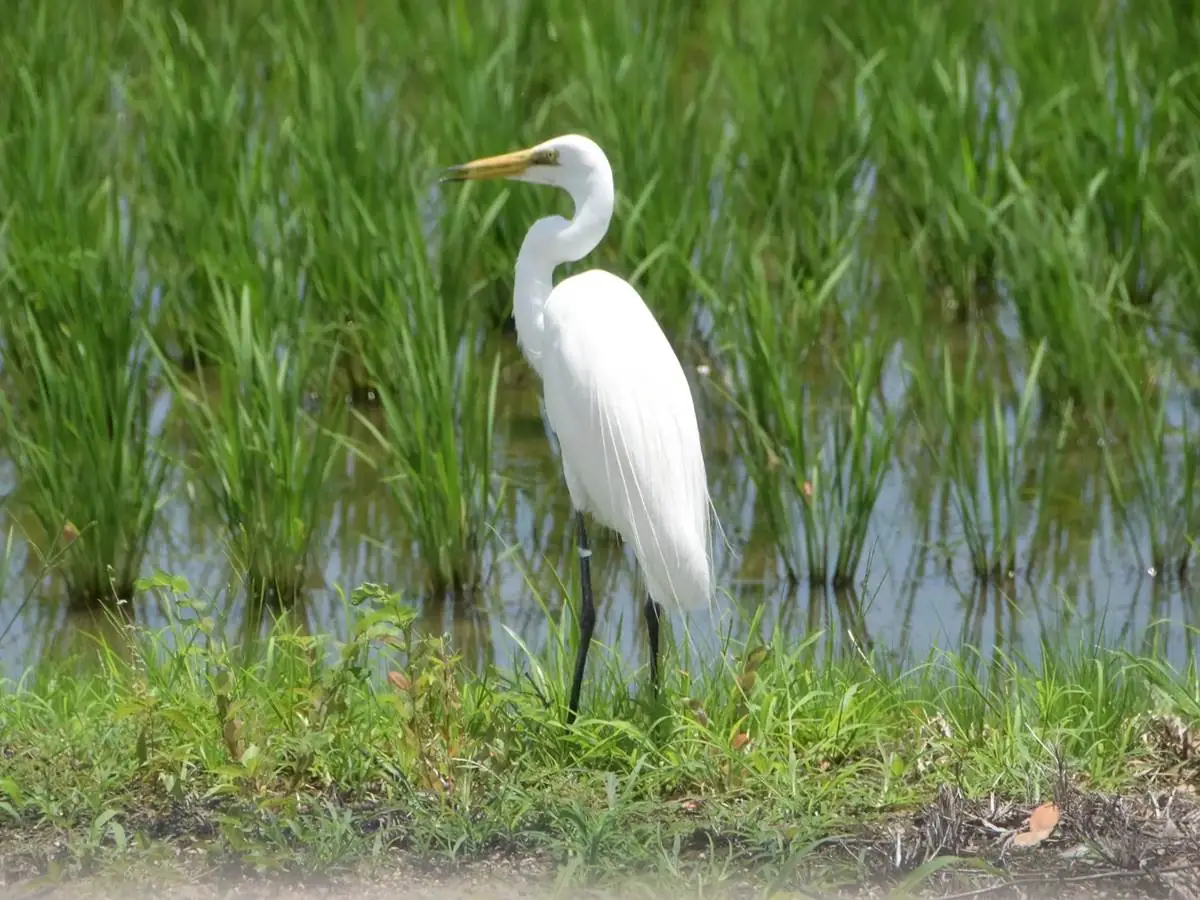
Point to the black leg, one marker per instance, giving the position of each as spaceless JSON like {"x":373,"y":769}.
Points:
{"x":587,"y":618}
{"x":654,"y":612}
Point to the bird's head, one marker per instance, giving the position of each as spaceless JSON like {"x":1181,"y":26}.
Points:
{"x":569,"y":162}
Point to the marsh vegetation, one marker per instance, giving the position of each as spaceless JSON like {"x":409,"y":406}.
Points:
{"x":930,"y":267}
{"x":932,"y":270}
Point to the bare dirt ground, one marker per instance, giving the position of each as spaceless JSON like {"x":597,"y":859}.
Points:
{"x":496,"y":883}
{"x":954,"y":849}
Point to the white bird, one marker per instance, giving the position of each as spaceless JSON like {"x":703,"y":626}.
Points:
{"x":615,"y":394}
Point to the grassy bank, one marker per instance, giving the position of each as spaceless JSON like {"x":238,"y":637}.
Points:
{"x":296,"y":756}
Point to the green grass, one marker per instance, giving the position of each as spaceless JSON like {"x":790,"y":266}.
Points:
{"x":437,"y":380}
{"x":263,"y":455}
{"x":296,"y":751}
{"x":1155,"y":490}
{"x":78,"y":410}
{"x":902,"y":285}
{"x":77,"y":402}
{"x":935,"y":251}
{"x":799,"y":215}
{"x":818,"y":455}
{"x":982,"y":447}
{"x":203,"y":174}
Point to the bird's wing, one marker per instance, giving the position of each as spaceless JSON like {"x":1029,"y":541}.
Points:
{"x":621,"y":407}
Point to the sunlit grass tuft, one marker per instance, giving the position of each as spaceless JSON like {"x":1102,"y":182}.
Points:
{"x":436,"y":373}
{"x":1155,"y":477}
{"x":265,"y":445}
{"x":816,"y":452}
{"x":79,"y":409}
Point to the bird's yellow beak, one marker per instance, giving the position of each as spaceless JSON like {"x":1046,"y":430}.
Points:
{"x":506,"y":165}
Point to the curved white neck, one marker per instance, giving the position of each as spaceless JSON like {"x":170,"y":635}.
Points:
{"x":551,"y":242}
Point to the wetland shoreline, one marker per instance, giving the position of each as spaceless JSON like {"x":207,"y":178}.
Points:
{"x":1134,"y":845}
{"x":933,"y":292}
{"x":194,"y":766}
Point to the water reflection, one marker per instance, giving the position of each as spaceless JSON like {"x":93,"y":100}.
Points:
{"x":913,"y":593}
{"x":1074,"y":571}
{"x":77,"y":641}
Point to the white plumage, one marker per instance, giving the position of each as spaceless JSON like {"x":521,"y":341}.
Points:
{"x":616,"y":396}
{"x":621,"y":407}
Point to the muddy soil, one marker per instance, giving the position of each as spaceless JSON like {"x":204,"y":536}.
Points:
{"x":1100,"y":847}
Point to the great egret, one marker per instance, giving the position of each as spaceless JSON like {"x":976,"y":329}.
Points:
{"x":615,"y":393}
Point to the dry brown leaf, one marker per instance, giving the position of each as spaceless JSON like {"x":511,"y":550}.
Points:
{"x":1029,"y":838}
{"x":231,"y":731}
{"x":740,"y":740}
{"x":399,"y":681}
{"x":1042,"y":822}
{"x":1044,"y":818}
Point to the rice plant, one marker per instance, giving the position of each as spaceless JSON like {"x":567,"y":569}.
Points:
{"x":666,"y":202}
{"x":79,"y":413}
{"x":809,"y":206}
{"x":58,"y":145}
{"x":939,"y":145}
{"x":340,"y":80}
{"x":385,"y":272}
{"x":817,"y":454}
{"x":263,"y":448}
{"x":795,"y":186}
{"x":1097,"y":125}
{"x":487,"y":81}
{"x":199,"y":134}
{"x":984,"y":447}
{"x":1062,"y":301}
{"x":1155,"y":477}
{"x":437,"y":387}
{"x":78,"y":403}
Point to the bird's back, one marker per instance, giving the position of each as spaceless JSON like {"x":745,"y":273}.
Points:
{"x":621,"y":406}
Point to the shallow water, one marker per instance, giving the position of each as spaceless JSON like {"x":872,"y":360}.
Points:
{"x":913,"y":594}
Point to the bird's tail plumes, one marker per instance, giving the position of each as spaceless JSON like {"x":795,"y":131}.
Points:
{"x":676,"y":555}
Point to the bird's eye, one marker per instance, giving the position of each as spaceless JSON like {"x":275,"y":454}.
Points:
{"x":545,"y":158}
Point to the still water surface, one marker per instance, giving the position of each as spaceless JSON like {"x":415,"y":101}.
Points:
{"x":914,"y":592}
